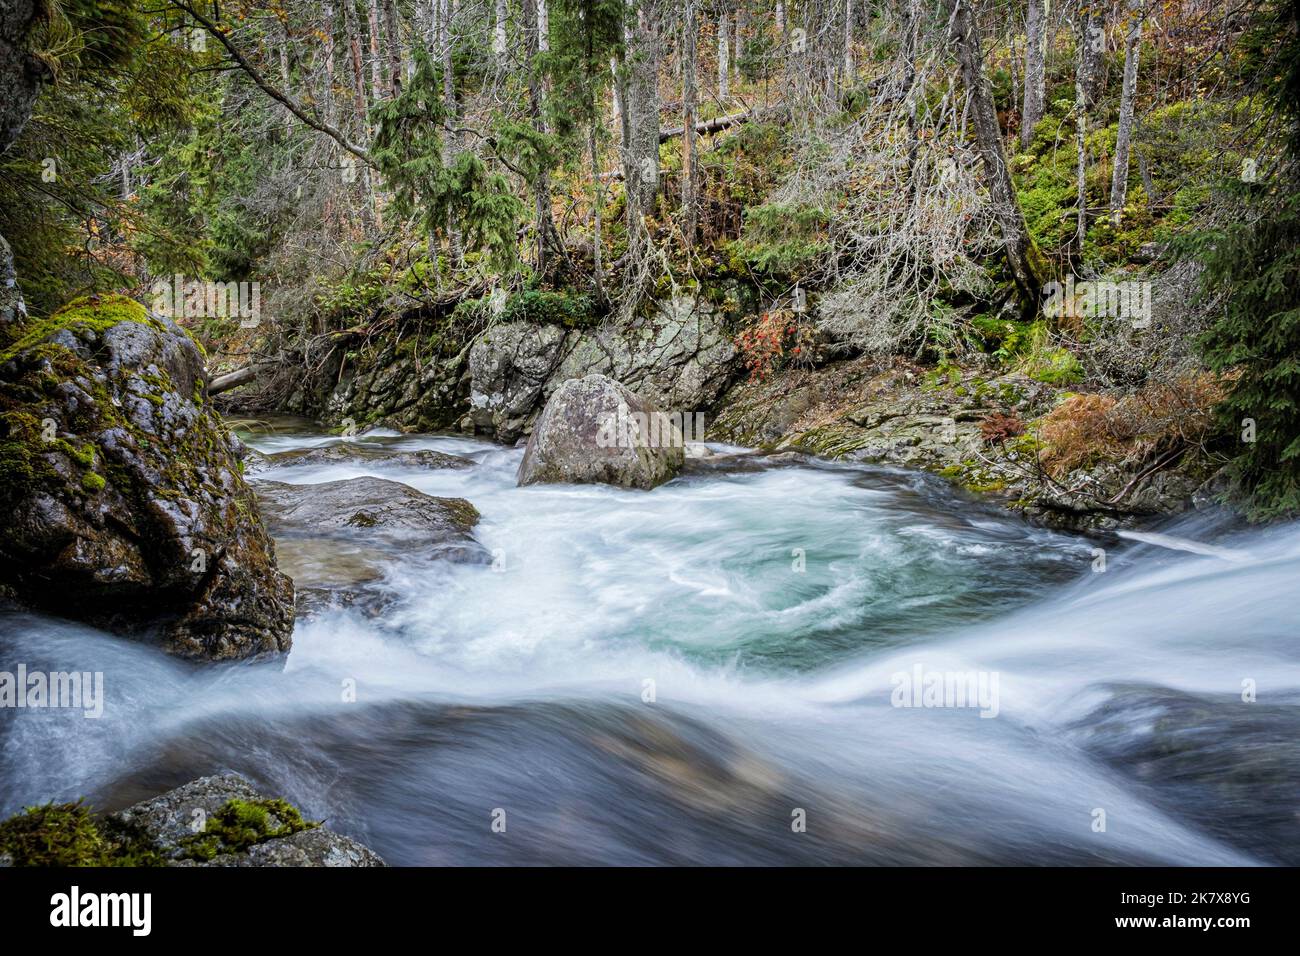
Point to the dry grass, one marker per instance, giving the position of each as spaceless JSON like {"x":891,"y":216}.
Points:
{"x":1155,"y":420}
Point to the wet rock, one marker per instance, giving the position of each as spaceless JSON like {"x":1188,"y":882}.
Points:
{"x":173,"y":818}
{"x":1228,"y":766}
{"x":120,"y":485}
{"x":594,"y":430}
{"x":680,"y":356}
{"x":361,"y":453}
{"x":386,"y":515}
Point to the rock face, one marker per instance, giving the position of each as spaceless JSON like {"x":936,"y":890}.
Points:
{"x":680,"y":359}
{"x":681,"y":356}
{"x":594,"y":430}
{"x":22,"y":73}
{"x":895,"y":413}
{"x":509,"y":367}
{"x":120,"y":487}
{"x":381,"y":514}
{"x":168,"y":821}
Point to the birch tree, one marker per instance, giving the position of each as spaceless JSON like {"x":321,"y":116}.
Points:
{"x":1031,"y":110}
{"x":1124,"y":135}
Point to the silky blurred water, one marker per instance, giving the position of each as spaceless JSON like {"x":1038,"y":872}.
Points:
{"x":687,"y":675}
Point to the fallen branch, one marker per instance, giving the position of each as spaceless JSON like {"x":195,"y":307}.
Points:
{"x":723,"y":122}
{"x":224,"y":383}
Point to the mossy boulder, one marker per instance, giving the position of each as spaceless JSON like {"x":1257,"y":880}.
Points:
{"x":213,"y":821}
{"x":120,"y":490}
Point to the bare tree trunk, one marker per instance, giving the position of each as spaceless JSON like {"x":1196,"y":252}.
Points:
{"x":544,"y":225}
{"x":1124,"y":136}
{"x":1093,"y":41}
{"x":444,"y":54}
{"x":352,"y":31}
{"x":724,"y":57}
{"x":742,"y":16}
{"x":848,"y":43}
{"x":328,"y":10}
{"x":988,"y":139}
{"x":284,"y":70}
{"x":376,"y":45}
{"x":499,"y":32}
{"x":690,"y":162}
{"x":393,"y":27}
{"x":641,"y":111}
{"x":598,"y":268}
{"x":1031,"y":110}
{"x":1081,"y":135}
{"x":543,"y":26}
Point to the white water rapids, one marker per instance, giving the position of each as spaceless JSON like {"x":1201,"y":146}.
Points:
{"x":767,"y":609}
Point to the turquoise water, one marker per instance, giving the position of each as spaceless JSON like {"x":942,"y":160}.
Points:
{"x":683,"y":675}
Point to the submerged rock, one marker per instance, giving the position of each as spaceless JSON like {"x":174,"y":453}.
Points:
{"x":382,"y":514}
{"x":120,"y":491}
{"x":593,"y":430}
{"x":348,"y":453}
{"x":188,"y":827}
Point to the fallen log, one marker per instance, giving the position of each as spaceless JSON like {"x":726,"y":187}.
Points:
{"x":715,"y":125}
{"x":224,"y":383}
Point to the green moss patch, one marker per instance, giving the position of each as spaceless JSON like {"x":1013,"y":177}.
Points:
{"x":241,"y":824}
{"x":66,"y":834}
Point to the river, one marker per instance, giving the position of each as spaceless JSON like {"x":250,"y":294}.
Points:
{"x":712,"y":673}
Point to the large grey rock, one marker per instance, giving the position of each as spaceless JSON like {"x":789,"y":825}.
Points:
{"x":381,"y":514}
{"x":594,"y":430}
{"x":121,"y":499}
{"x":509,"y":366}
{"x":680,"y":357}
{"x":12,"y":307}
{"x":169,"y":819}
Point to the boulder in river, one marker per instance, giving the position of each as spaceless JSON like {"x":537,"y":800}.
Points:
{"x":363,"y":453}
{"x":121,"y":496}
{"x":382,"y":514}
{"x":594,"y":430}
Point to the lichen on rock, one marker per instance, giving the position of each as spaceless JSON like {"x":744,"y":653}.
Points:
{"x":120,"y":485}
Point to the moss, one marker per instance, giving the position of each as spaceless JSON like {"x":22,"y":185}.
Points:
{"x":92,"y":482}
{"x":974,"y":477}
{"x":241,"y":824}
{"x":96,"y":313}
{"x":462,"y":511}
{"x":66,"y":834}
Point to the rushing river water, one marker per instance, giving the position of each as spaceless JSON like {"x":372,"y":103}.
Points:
{"x":708,"y":673}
